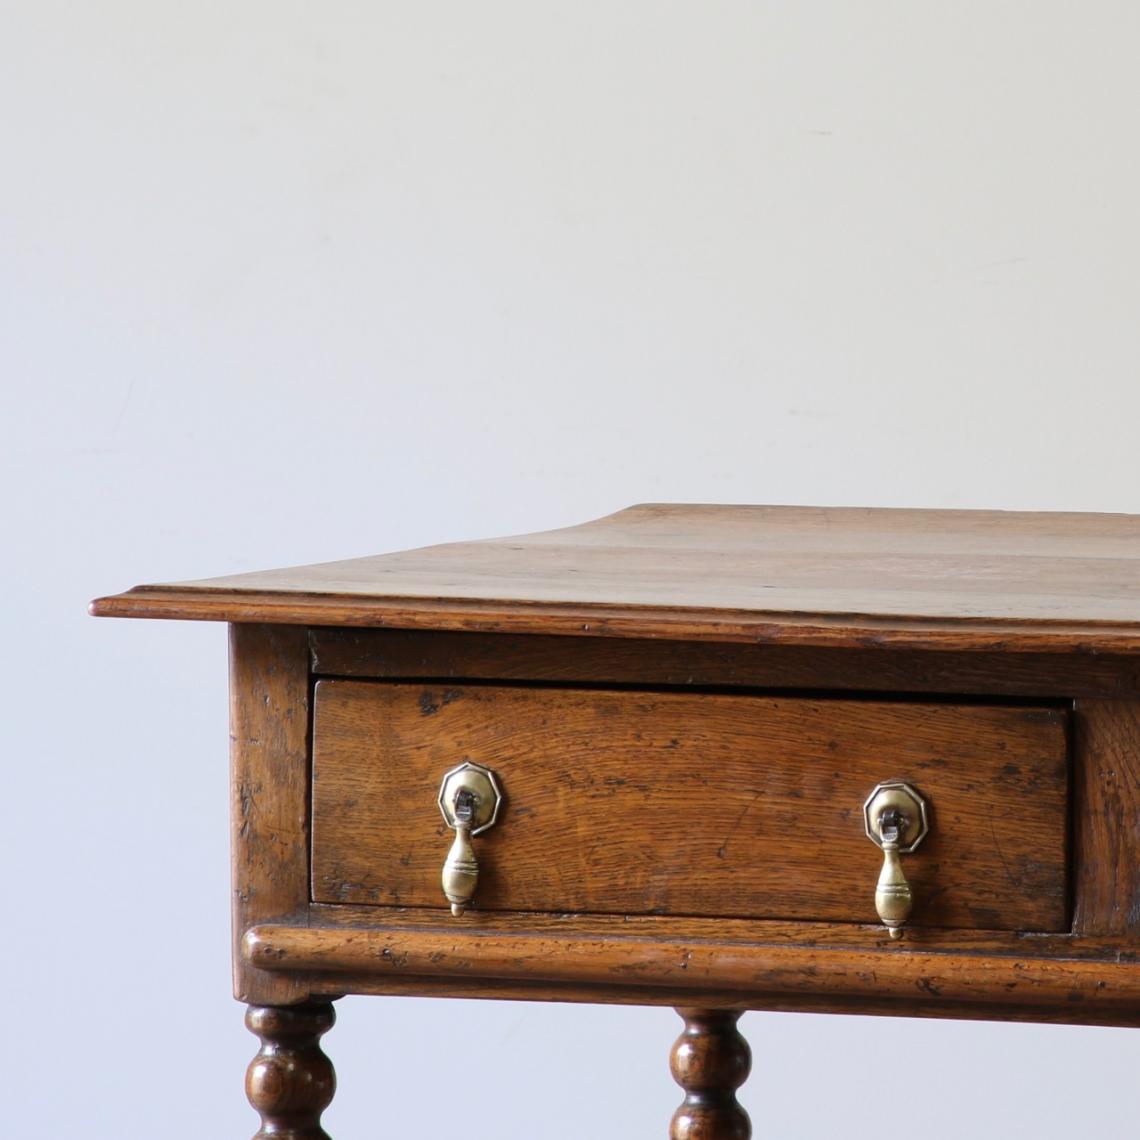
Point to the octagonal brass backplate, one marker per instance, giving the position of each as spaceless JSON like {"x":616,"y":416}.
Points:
{"x":897,"y":795}
{"x":481,"y":783}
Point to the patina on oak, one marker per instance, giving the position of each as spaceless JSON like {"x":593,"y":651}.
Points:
{"x":986,"y":613}
{"x":790,"y":575}
{"x":635,"y":802}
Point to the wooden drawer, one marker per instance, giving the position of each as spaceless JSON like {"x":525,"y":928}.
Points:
{"x":630,"y":802}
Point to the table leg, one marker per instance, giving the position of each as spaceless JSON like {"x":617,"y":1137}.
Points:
{"x":710,"y":1061}
{"x":290,"y":1082}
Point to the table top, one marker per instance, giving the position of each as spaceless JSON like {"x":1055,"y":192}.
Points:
{"x":794,"y":575}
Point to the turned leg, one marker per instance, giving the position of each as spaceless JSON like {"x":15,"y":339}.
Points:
{"x":290,"y":1082}
{"x":710,"y":1061}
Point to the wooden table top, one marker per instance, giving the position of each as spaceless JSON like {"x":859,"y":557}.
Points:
{"x":979,"y":580}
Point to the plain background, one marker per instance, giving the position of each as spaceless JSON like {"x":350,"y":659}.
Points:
{"x":288,"y":282}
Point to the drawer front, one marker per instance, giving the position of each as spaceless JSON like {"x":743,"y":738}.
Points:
{"x":693,"y":804}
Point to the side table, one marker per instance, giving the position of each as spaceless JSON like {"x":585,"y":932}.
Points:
{"x":715,"y":757}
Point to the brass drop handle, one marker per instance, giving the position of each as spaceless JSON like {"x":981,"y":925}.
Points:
{"x":461,"y":868}
{"x":896,"y":821}
{"x":893,"y":898}
{"x":469,"y":799}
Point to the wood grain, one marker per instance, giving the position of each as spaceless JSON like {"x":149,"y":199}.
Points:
{"x":690,"y":804}
{"x":1060,"y":1012}
{"x":290,"y":1082}
{"x":710,"y":1061}
{"x":888,"y":973}
{"x":676,"y":936}
{"x":969,"y":580}
{"x":269,"y":809}
{"x":1107,"y":818}
{"x":679,"y":931}
{"x":397,"y":654}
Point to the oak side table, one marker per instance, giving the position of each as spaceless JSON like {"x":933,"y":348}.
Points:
{"x":716,"y":757}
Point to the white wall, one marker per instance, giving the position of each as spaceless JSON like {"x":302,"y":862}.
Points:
{"x":283,"y":282}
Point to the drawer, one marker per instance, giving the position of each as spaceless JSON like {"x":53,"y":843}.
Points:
{"x":695,"y":804}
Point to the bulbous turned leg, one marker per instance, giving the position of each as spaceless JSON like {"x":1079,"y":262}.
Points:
{"x":710,"y":1061}
{"x":290,"y":1082}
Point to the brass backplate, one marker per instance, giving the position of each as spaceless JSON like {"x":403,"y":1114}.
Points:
{"x":897,"y":795}
{"x":481,"y":783}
